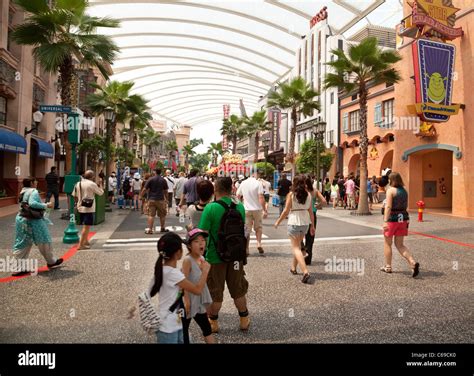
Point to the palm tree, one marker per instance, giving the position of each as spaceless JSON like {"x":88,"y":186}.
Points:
{"x":257,"y":123}
{"x":115,"y":95}
{"x":215,"y":150}
{"x":365,"y":63}
{"x":171,"y":146}
{"x":150,"y":138}
{"x":61,"y":33}
{"x":188,"y":152}
{"x":298,"y":96}
{"x":137,"y":113}
{"x":233,"y":128}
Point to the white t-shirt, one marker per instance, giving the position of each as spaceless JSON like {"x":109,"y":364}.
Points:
{"x":136,"y":184}
{"x":170,"y":182}
{"x":112,"y":183}
{"x":170,"y":321}
{"x":266,"y":186}
{"x":250,"y":189}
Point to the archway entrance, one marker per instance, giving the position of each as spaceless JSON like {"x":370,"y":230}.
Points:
{"x":431,"y":178}
{"x":354,"y":165}
{"x":387,"y":161}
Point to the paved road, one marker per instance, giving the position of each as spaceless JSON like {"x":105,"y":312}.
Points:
{"x":135,"y":223}
{"x":86,"y":300}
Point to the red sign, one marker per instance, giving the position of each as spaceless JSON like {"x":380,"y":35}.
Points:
{"x":321,"y":16}
{"x":446,"y":31}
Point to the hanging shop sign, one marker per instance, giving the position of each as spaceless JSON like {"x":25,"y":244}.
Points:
{"x":433,"y":68}
{"x":431,"y":23}
{"x":431,"y":18}
{"x":275,"y":119}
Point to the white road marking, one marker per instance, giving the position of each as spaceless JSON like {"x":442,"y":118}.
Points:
{"x":147,"y":242}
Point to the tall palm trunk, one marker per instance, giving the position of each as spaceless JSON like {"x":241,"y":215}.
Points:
{"x":66,"y":71}
{"x":363,"y":208}
{"x":290,"y":156}
{"x":234,"y":144}
{"x":257,"y":141}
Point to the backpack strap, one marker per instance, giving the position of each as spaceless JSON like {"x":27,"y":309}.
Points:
{"x":223,"y":204}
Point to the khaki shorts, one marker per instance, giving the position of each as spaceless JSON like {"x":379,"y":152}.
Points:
{"x":226,"y":272}
{"x":255,"y":217}
{"x":159,"y":207}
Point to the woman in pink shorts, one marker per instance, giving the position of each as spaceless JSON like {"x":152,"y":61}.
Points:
{"x":396,"y":221}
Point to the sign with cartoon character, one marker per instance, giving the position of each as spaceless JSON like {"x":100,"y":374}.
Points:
{"x":434,"y":65}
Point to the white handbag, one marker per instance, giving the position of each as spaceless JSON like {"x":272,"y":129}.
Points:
{"x":149,"y":317}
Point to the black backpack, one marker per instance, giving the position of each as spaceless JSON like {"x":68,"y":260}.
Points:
{"x":231,"y":241}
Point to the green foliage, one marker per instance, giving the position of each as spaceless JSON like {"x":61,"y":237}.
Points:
{"x":145,"y":167}
{"x":124,"y":155}
{"x":307,"y":160}
{"x":233,"y":129}
{"x":364,"y":62}
{"x":260,"y":166}
{"x":95,"y":148}
{"x":63,"y":31}
{"x":200,"y":161}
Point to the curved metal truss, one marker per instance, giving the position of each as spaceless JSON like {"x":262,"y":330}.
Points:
{"x":189,"y":57}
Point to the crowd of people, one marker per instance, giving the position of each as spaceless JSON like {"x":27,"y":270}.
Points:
{"x":219,"y":216}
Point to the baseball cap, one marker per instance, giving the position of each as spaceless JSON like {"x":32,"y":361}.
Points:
{"x":193,"y":234}
{"x":136,"y":176}
{"x":169,"y":243}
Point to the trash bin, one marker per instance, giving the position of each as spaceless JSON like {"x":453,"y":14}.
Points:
{"x":99,"y":215}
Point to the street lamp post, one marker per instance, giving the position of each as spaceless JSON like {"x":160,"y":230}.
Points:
{"x":109,"y":115}
{"x":318,"y":133}
{"x":37,"y":117}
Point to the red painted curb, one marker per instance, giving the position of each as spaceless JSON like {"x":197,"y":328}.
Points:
{"x":69,"y":253}
{"x":442,"y":239}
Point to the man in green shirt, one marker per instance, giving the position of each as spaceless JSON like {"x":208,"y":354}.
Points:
{"x":221,"y":272}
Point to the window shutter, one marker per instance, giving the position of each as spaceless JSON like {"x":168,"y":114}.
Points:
{"x":378,"y":114}
{"x":345,"y":123}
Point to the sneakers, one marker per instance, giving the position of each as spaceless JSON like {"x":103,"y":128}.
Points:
{"x":58,"y":262}
{"x":244,"y":323}
{"x":214,"y":326}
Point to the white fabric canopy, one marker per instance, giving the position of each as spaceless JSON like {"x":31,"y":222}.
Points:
{"x":191,"y":57}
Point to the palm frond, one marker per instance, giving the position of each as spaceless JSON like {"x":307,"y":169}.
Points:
{"x":33,"y":6}
{"x":52,"y":56}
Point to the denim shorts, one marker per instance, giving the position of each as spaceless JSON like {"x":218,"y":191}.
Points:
{"x":175,"y":337}
{"x":294,"y":230}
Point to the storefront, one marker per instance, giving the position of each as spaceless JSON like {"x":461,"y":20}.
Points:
{"x":436,"y":162}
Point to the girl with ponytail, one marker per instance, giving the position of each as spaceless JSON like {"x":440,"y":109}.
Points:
{"x":169,"y":282}
{"x":300,"y":221}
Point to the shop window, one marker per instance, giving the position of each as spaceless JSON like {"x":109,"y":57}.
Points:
{"x":345,"y":123}
{"x":387,"y":108}
{"x":354,"y":124}
{"x":378,"y":114}
{"x":3,"y":110}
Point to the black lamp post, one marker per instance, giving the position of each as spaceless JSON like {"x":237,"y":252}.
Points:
{"x":319,"y":129}
{"x":109,"y":115}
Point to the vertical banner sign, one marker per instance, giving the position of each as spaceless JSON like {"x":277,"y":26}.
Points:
{"x":275,"y":118}
{"x":226,"y":109}
{"x":433,"y":67}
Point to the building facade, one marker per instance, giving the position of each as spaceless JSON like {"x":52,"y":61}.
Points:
{"x":380,"y":124}
{"x":23,"y":87}
{"x":437,"y":168}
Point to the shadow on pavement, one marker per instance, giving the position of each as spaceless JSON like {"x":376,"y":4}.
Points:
{"x":59,"y":273}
